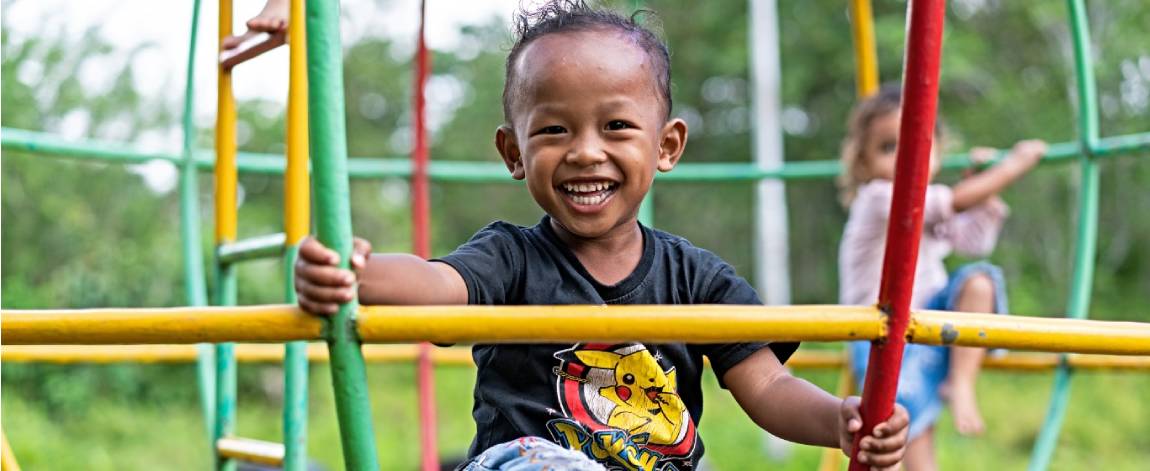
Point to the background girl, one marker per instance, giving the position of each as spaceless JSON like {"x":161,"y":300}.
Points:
{"x":965,"y":218}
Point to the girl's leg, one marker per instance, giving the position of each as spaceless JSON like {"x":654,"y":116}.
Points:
{"x":920,"y":453}
{"x":976,"y":295}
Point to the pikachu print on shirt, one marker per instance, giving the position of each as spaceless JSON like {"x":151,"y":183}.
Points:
{"x":621,"y":407}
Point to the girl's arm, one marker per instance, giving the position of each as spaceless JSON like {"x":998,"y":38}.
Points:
{"x":980,"y":187}
{"x":381,"y":279}
{"x":974,"y":232}
{"x":796,"y":410}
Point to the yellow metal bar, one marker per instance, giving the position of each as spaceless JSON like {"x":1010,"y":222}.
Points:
{"x":247,"y":353}
{"x":1029,"y":333}
{"x":270,"y":323}
{"x":251,"y":451}
{"x":1043,"y":362}
{"x":866,"y":59}
{"x":455,"y":356}
{"x":461,"y":356}
{"x":225,"y":191}
{"x":445,"y":324}
{"x":72,"y":354}
{"x":7,"y":458}
{"x":296,"y":189}
{"x":459,"y":324}
{"x":803,"y":360}
{"x":694,"y":323}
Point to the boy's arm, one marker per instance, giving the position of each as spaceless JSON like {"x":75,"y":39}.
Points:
{"x":976,"y":189}
{"x":784,"y":405}
{"x":381,"y":278}
{"x":407,"y":279}
{"x":801,"y":412}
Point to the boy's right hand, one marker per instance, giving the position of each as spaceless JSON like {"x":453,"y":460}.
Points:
{"x":320,"y":284}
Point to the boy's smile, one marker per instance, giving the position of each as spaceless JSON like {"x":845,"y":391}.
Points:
{"x":588,"y":196}
{"x":588,"y":130}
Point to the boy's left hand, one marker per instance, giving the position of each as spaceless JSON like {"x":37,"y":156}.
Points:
{"x":885,"y":446}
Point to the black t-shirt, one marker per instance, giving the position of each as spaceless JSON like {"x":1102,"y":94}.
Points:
{"x":633,"y":406}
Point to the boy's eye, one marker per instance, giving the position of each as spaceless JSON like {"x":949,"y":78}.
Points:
{"x":888,"y":146}
{"x":550,"y":130}
{"x":618,"y":125}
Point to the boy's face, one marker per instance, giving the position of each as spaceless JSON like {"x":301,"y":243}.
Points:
{"x":588,"y":130}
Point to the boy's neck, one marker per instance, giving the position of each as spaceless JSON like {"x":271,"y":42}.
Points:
{"x":609,"y":258}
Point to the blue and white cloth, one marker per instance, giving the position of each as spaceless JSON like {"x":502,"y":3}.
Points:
{"x":925,"y":367}
{"x":531,"y":454}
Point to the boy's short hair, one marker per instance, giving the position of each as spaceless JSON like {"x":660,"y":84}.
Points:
{"x":561,"y":16}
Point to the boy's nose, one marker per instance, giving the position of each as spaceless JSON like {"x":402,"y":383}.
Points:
{"x":586,"y":152}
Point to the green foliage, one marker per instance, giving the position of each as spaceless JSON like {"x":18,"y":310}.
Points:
{"x":1103,"y":429}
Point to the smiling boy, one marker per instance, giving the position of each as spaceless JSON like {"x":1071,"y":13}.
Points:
{"x":587,"y":125}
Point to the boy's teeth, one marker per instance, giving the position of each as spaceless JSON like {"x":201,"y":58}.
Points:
{"x":589,"y":194}
{"x":586,"y":187}
{"x":589,"y":200}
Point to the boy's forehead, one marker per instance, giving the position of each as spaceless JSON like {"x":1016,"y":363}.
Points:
{"x":589,"y":52}
{"x":582,"y":58}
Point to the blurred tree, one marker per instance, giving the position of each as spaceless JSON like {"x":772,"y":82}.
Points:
{"x":83,"y":234}
{"x":991,"y":95}
{"x":65,"y":216}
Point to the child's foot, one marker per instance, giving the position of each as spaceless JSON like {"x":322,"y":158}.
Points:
{"x":964,"y":407}
{"x":272,"y":19}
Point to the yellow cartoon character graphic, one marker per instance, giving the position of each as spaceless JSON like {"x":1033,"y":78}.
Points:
{"x":621,"y":406}
{"x":644,"y":396}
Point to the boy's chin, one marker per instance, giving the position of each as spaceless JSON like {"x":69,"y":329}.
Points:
{"x":588,"y":228}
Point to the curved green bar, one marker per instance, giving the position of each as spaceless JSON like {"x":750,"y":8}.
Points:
{"x":1079,"y":303}
{"x":194,"y":288}
{"x":460,"y":171}
{"x":295,"y":381}
{"x":333,"y":221}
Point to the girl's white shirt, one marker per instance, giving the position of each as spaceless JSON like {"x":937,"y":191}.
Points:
{"x":973,"y":232}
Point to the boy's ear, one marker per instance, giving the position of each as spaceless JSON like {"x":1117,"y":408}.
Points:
{"x":508,"y":147}
{"x":672,"y":142}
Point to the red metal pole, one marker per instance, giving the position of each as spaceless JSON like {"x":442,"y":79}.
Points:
{"x":912,"y":173}
{"x":421,"y":239}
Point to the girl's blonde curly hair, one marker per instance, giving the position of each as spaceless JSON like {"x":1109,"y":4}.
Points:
{"x":854,"y":173}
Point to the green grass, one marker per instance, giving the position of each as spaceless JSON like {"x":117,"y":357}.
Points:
{"x":1107,"y":427}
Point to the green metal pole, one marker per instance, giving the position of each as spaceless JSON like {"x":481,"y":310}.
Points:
{"x":190,"y":232}
{"x":1079,"y":303}
{"x":225,"y":367}
{"x":330,"y":183}
{"x":647,"y":209}
{"x":295,"y":383}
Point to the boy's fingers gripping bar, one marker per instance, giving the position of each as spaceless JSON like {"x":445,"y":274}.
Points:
{"x":311,"y":250}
